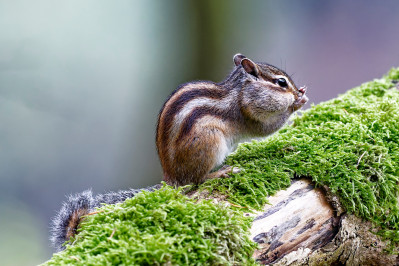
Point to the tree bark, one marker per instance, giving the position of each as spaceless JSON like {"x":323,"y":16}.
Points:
{"x":304,"y":225}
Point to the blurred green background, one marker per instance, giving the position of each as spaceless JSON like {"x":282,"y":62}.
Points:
{"x":81,"y":83}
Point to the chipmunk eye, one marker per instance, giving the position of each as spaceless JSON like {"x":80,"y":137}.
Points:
{"x":282,"y":82}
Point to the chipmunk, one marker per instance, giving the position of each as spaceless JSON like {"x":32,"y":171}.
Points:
{"x":198,"y":126}
{"x":202,"y":122}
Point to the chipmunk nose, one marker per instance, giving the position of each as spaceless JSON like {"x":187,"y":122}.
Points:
{"x":303,"y":89}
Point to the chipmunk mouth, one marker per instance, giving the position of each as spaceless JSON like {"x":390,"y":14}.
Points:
{"x":301,"y":100}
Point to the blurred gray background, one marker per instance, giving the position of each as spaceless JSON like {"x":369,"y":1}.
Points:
{"x":82,"y":81}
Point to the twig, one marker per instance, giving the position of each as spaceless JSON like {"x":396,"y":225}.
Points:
{"x":94,"y":212}
{"x":112,"y":234}
{"x":361,"y":156}
{"x":238,"y":206}
{"x":75,"y":258}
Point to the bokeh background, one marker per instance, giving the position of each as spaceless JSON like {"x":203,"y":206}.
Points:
{"x":81,"y":84}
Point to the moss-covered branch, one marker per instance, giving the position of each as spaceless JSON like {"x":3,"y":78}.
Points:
{"x":350,"y":144}
{"x":160,"y":227}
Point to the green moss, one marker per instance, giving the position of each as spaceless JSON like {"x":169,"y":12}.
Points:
{"x":350,"y":144}
{"x":161,"y":227}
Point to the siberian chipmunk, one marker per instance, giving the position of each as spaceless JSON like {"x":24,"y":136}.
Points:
{"x":199,"y":124}
{"x":202,"y":122}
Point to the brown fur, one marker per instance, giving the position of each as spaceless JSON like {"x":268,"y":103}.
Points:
{"x":201,"y":121}
{"x":74,"y":221}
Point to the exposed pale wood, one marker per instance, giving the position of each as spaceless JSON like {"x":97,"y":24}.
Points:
{"x":301,"y":227}
{"x":299,"y":217}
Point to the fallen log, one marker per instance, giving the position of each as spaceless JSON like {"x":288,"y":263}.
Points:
{"x":345,"y":213}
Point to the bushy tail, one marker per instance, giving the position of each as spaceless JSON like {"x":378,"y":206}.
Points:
{"x":65,"y":224}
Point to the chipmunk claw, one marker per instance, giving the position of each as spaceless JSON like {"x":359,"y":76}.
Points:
{"x":235,"y":170}
{"x":225,"y":172}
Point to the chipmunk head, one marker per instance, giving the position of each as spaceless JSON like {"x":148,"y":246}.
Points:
{"x":267,"y":90}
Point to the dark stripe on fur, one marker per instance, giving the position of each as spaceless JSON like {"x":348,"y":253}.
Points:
{"x":179,"y":103}
{"x":199,"y":89}
{"x":177,"y":106}
{"x":231,"y":114}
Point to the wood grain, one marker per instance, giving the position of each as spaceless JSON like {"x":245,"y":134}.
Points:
{"x":299,"y":217}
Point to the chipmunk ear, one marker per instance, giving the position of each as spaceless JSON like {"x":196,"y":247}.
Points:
{"x":250,"y":67}
{"x":237,"y":59}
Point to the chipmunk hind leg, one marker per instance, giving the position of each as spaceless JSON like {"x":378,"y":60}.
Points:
{"x":198,"y":154}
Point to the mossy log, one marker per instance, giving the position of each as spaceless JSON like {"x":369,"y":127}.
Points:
{"x":301,"y":227}
{"x":322,"y":191}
